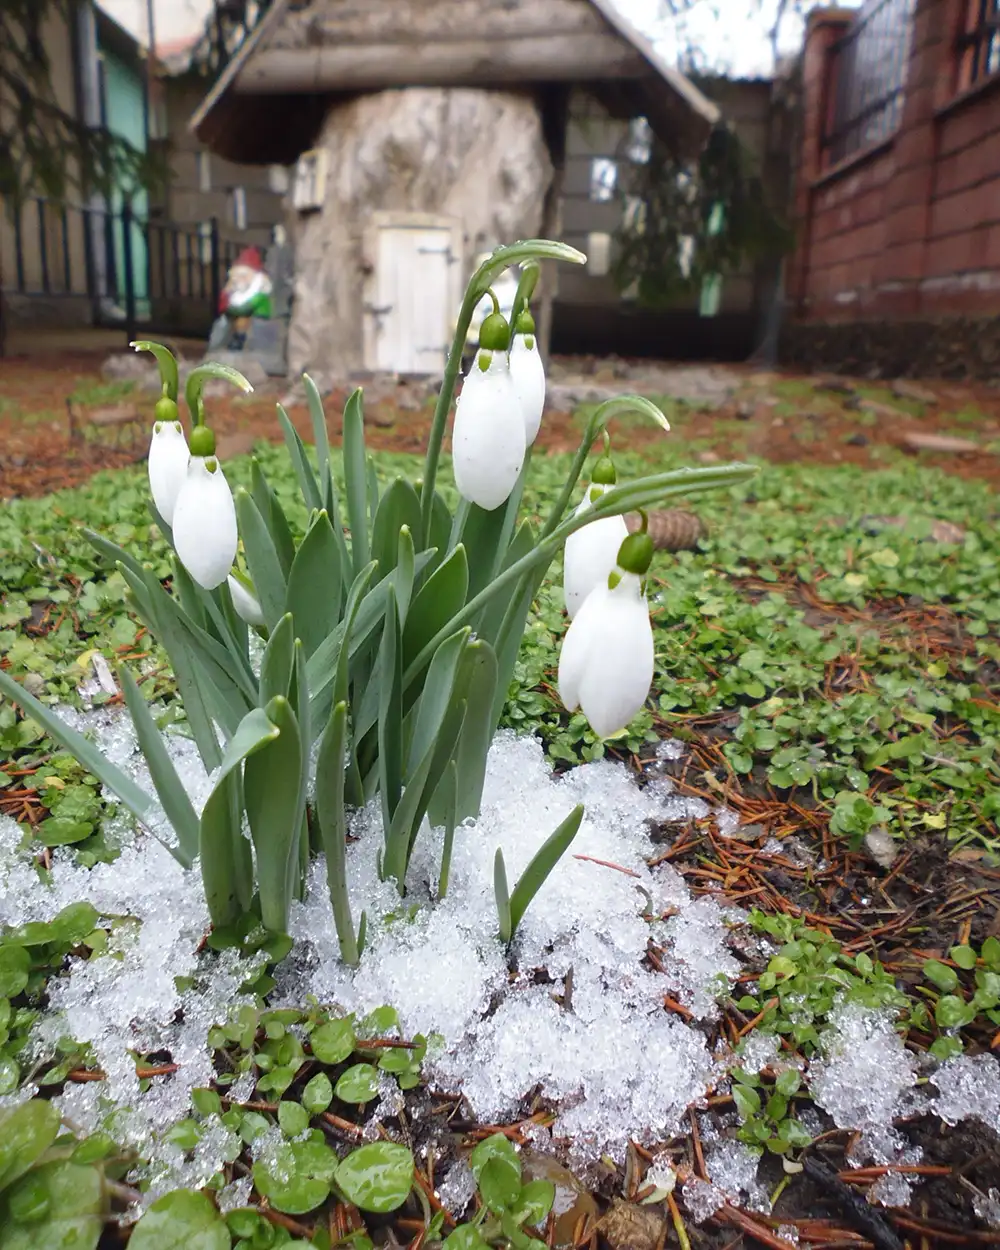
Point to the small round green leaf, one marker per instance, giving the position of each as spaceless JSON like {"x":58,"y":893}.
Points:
{"x":14,"y":964}
{"x":333,"y":1042}
{"x":25,"y":1134}
{"x":56,"y":1205}
{"x":788,"y":1082}
{"x":377,"y":1178}
{"x":941,"y":975}
{"x":953,"y":1012}
{"x":182,"y":1220}
{"x":964,"y":956}
{"x":292,"y":1117}
{"x":318,"y":1094}
{"x":297,"y":1177}
{"x":358,"y":1084}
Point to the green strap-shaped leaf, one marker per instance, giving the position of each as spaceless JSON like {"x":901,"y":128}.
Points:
{"x":481,"y":539}
{"x":276,"y":662}
{"x":426,"y":778}
{"x":300,"y":462}
{"x":226,"y":867}
{"x":490,"y":619}
{"x":424,"y":721}
{"x":449,"y":792}
{"x":440,"y":531}
{"x":314,"y":584}
{"x":169,"y":787}
{"x":389,"y":680}
{"x":111,"y":551}
{"x":274,"y":516}
{"x":299,"y":695}
{"x":502,"y":896}
{"x":134,"y":798}
{"x":356,"y":480}
{"x":404,"y":573}
{"x":194,"y":697}
{"x":274,"y":794}
{"x":333,"y":827}
{"x":262,"y":558}
{"x":321,"y":441}
{"x":213,"y":619}
{"x":371,"y":474}
{"x":478,"y":679}
{"x":542,"y":862}
{"x":437,"y":601}
{"x":510,"y":636}
{"x":399,"y":506}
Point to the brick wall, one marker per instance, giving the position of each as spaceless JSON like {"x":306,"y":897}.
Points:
{"x":907,"y":228}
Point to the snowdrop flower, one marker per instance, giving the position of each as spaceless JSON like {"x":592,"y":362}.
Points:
{"x":168,"y":459}
{"x":488,"y":441}
{"x":528,"y":374}
{"x":204,"y":525}
{"x":591,"y":553}
{"x":245,"y":602}
{"x":606,"y":662}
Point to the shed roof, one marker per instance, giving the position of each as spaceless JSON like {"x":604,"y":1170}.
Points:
{"x":269,"y":102}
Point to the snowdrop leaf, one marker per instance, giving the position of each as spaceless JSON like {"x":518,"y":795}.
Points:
{"x":356,"y":478}
{"x":300,"y":461}
{"x":321,"y":441}
{"x":169,"y":788}
{"x":502,"y":895}
{"x":399,"y":506}
{"x":435,"y":603}
{"x":273,"y":516}
{"x":333,"y":831}
{"x":478,"y":683}
{"x":542,"y":862}
{"x":389,"y":680}
{"x":276,"y":663}
{"x":262,"y":559}
{"x":424,"y":721}
{"x":314,"y":584}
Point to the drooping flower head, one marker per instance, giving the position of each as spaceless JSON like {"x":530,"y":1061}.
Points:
{"x":606,"y":662}
{"x":488,"y":440}
{"x":245,"y":601}
{"x":528,"y":374}
{"x":204,"y":525}
{"x":168,"y":458}
{"x":591,"y":553}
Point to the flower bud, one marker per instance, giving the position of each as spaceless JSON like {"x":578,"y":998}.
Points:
{"x":528,"y":374}
{"x":167,"y":464}
{"x":204,"y":526}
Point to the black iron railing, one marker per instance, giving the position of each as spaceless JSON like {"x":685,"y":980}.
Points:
{"x":979,"y":45}
{"x":134,"y":271}
{"x":869,"y":78}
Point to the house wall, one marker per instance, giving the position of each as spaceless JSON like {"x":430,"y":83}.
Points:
{"x":188,"y":204}
{"x":591,"y":314}
{"x":42,"y":248}
{"x":898,"y":263}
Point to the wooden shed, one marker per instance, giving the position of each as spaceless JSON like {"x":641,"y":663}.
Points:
{"x":423,"y":129}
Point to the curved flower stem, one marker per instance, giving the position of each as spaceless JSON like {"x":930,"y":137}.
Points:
{"x":525,"y":290}
{"x":479,"y":284}
{"x":197,"y":379}
{"x":615,"y":502}
{"x":597,"y":423}
{"x":166,"y":362}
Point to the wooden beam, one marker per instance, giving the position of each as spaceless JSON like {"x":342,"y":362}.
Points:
{"x":469,"y":62}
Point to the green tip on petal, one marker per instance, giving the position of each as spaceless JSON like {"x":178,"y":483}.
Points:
{"x":484,"y":360}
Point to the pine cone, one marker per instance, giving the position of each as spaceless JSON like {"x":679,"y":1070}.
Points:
{"x":671,"y":530}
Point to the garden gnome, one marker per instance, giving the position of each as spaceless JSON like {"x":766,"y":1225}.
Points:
{"x":247,"y":294}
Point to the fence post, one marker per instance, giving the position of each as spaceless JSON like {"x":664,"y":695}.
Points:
{"x":128,"y":262}
{"x":216,"y":262}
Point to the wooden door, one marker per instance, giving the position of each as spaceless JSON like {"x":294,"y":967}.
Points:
{"x":410,"y":312}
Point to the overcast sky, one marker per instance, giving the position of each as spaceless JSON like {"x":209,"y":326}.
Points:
{"x":734,"y":42}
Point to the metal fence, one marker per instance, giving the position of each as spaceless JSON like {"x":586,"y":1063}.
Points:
{"x":869,"y":78}
{"x":133,"y":271}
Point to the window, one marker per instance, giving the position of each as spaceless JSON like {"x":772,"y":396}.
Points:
{"x":869,"y":75}
{"x":640,"y":141}
{"x":277,"y":179}
{"x":309,"y":187}
{"x":239,"y":208}
{"x":603,"y":179}
{"x":979,"y":44}
{"x":204,"y":172}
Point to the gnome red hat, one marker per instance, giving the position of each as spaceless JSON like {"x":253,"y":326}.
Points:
{"x":249,"y":258}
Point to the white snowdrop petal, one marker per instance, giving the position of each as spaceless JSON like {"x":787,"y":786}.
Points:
{"x":606,"y":663}
{"x":528,"y":374}
{"x":246,"y":605}
{"x":204,"y":527}
{"x":616,"y":682}
{"x":574,"y":655}
{"x":488,"y":442}
{"x":167,"y":466}
{"x":591,"y":555}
